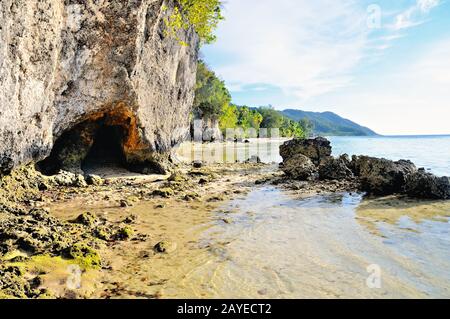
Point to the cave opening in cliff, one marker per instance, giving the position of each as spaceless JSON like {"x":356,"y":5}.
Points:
{"x":106,"y":150}
{"x":100,"y":141}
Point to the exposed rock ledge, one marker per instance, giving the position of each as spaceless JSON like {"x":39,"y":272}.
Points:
{"x":70,"y":68}
{"x":311,"y":160}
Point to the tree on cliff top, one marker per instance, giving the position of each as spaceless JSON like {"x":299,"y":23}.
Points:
{"x":202,"y":15}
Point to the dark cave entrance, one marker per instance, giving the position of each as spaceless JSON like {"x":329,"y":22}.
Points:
{"x":106,"y":150}
{"x":109,"y":139}
{"x":90,"y":145}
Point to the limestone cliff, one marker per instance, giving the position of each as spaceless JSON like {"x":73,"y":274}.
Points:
{"x":71,"y":67}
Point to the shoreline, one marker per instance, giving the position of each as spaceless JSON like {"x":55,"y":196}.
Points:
{"x":125,"y":223}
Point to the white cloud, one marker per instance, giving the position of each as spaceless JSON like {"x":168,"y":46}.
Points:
{"x":414,"y":15}
{"x":306,"y":48}
{"x":426,"y":5}
{"x":412,"y":100}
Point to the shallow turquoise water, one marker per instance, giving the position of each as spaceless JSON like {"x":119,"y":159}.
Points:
{"x":431,"y":152}
{"x":277,"y":244}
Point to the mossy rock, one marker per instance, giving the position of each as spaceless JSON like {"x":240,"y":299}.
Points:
{"x":102,"y":233}
{"x":85,"y":256}
{"x":124,"y":233}
{"x":198,"y":172}
{"x":87,"y":219}
{"x":177,"y":177}
{"x":163,"y":192}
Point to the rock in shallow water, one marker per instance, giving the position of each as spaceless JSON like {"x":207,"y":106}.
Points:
{"x":380,"y":176}
{"x":426,"y":185}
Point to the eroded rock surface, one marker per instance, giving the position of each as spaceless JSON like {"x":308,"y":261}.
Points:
{"x":426,"y":185}
{"x":316,"y":150}
{"x":299,"y":167}
{"x":70,"y":67}
{"x":335,"y":169}
{"x":381,"y":176}
{"x":378,"y":176}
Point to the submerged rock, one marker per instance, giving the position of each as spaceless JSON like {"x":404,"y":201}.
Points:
{"x":165,"y":192}
{"x":426,"y":185}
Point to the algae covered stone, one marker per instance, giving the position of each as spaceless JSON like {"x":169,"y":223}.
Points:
{"x":163,"y":192}
{"x":87,"y":219}
{"x":124,"y":233}
{"x":84,"y":255}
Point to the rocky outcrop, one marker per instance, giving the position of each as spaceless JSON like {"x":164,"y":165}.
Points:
{"x":303,"y":159}
{"x":381,"y":176}
{"x":335,"y":169}
{"x":69,"y":68}
{"x":425,"y":185}
{"x":316,"y":150}
{"x":299,"y":167}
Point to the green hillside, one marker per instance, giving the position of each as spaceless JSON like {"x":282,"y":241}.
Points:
{"x":329,"y":123}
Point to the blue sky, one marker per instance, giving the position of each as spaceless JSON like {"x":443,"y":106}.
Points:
{"x":383,"y":64}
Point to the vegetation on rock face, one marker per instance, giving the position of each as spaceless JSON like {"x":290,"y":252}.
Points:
{"x":202,"y":15}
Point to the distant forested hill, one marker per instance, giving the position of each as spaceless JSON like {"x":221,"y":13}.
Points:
{"x":329,"y":123}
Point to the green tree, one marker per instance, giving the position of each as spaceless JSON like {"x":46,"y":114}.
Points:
{"x":202,"y":15}
{"x":249,"y":118}
{"x":228,"y":117}
{"x":256,"y":120}
{"x":211,"y":94}
{"x":271,"y":117}
{"x":291,"y":128}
